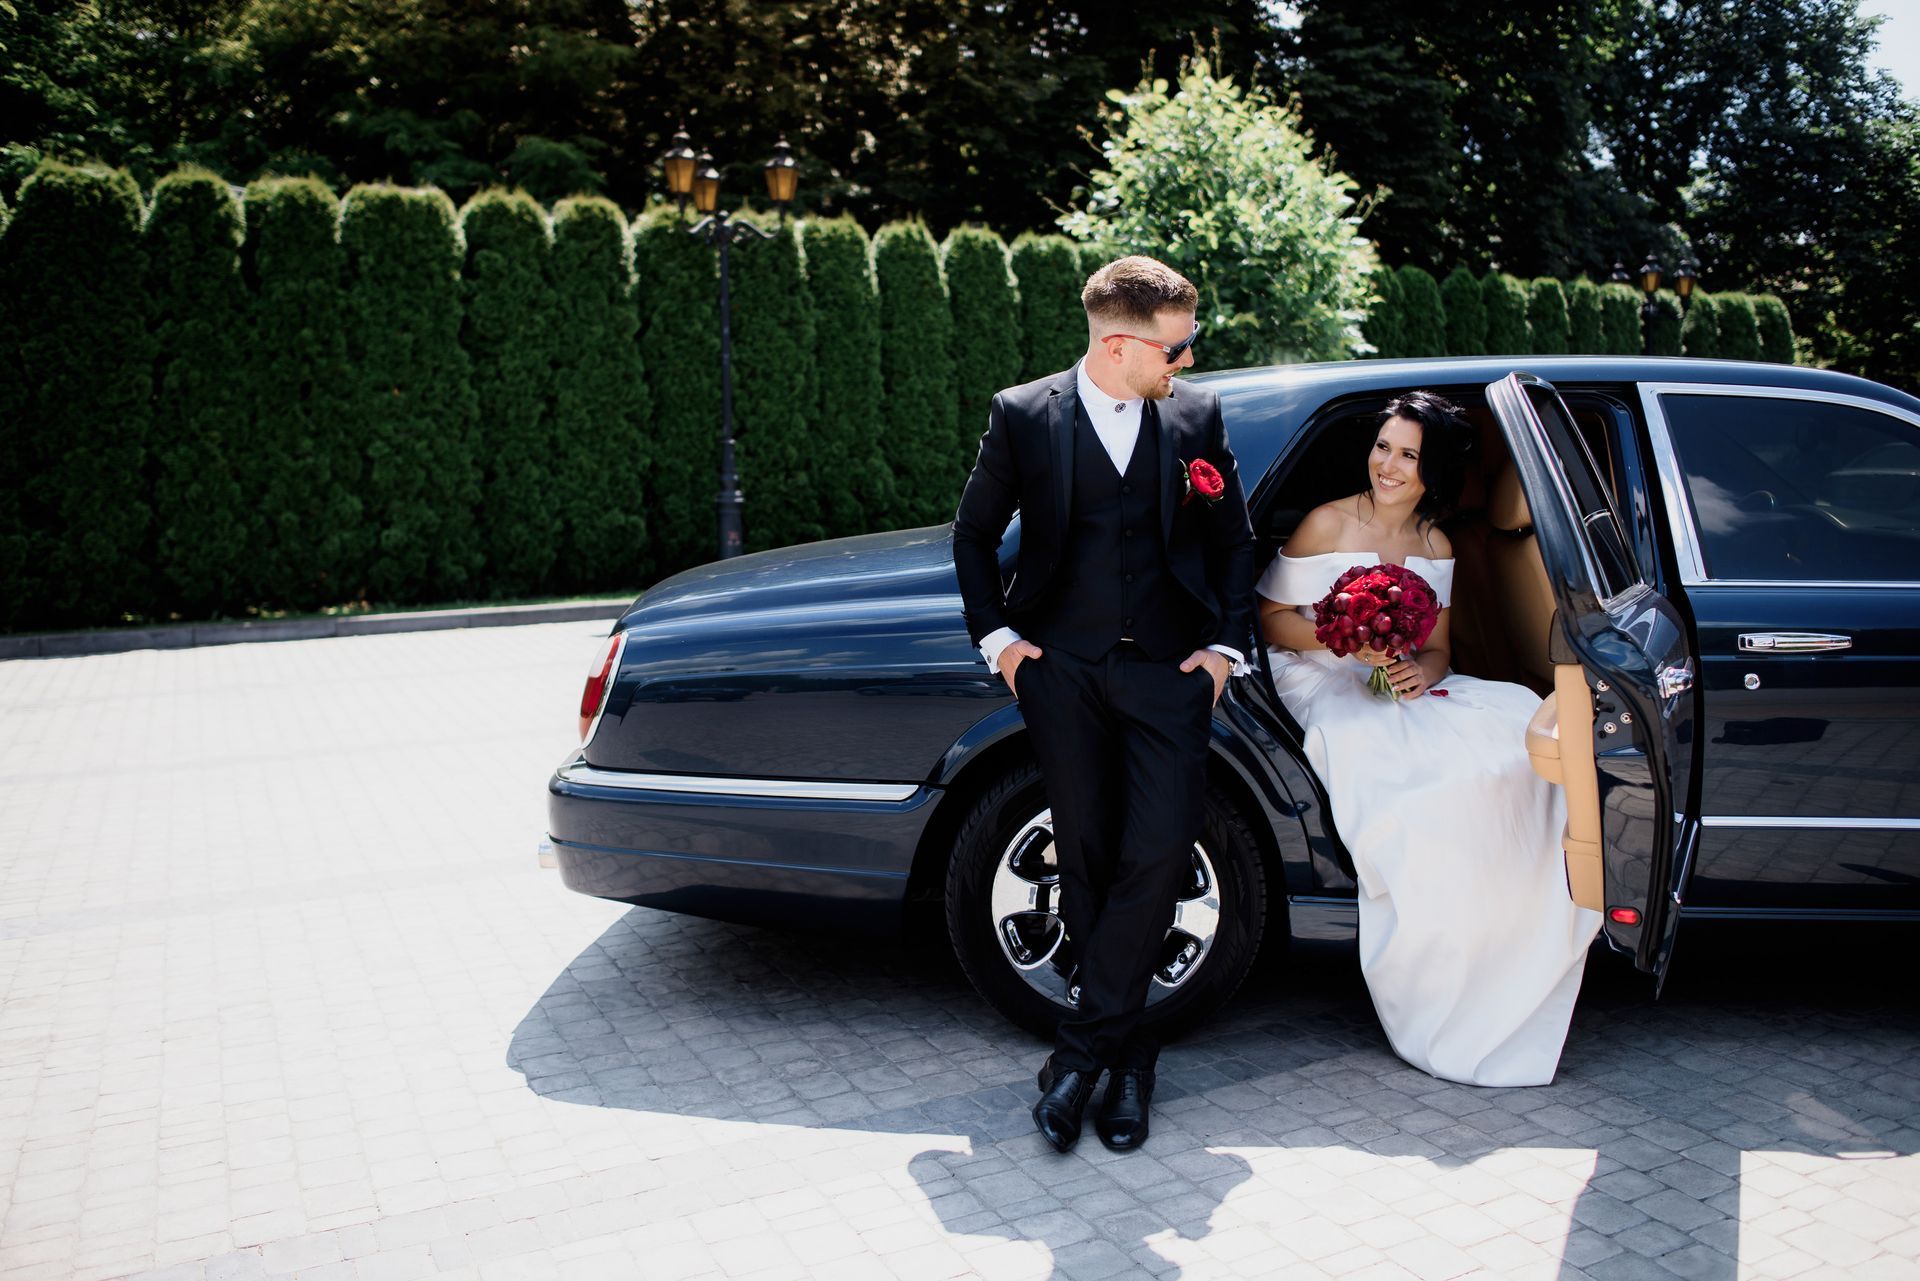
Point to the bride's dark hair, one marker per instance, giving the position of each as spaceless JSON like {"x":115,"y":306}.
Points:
{"x":1447,"y":440}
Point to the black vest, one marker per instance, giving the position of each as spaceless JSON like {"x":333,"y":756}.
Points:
{"x":1112,"y":582}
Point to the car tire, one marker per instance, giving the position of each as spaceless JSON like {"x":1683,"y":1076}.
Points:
{"x":998,"y":836}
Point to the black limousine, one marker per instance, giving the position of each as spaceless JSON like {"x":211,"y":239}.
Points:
{"x":1709,"y":571}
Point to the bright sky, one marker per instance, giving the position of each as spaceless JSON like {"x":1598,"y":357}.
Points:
{"x":1899,"y":47}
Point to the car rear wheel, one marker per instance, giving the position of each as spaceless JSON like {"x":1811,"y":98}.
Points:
{"x":1003,"y":910}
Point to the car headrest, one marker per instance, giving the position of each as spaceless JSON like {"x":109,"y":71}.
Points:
{"x":1507,"y":504}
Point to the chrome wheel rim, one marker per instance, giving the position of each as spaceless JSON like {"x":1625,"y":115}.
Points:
{"x":1024,"y":906}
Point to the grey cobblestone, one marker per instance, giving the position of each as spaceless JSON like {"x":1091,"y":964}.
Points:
{"x":292,"y":1000}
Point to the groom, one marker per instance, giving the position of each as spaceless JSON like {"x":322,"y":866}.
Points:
{"x":1130,"y":606}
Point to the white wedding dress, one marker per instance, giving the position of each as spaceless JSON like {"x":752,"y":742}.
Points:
{"x":1470,"y":945}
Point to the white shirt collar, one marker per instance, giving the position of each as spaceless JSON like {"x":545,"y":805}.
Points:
{"x":1102,"y":408}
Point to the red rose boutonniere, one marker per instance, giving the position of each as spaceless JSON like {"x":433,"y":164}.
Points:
{"x":1204,"y":479}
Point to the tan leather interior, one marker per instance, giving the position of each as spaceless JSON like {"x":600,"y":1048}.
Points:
{"x":1520,"y":580}
{"x":1560,"y":745}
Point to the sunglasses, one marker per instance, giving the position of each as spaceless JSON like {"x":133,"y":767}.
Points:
{"x":1173,"y":353}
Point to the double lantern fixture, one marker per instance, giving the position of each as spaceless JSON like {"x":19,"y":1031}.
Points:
{"x":694,"y":177}
{"x":1650,"y":276}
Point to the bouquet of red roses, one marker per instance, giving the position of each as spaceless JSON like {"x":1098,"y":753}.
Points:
{"x":1386,"y":608}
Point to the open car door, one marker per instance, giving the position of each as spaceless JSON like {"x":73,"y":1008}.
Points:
{"x":1617,"y":730}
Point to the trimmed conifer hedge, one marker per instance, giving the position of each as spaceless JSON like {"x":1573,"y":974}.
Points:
{"x":1620,"y":320}
{"x":988,"y":352}
{"x":312,"y":545}
{"x":1548,"y":326}
{"x":1052,"y":321}
{"x":74,"y":514}
{"x":1700,"y":327}
{"x":918,"y":425}
{"x":1466,"y":313}
{"x":413,"y":391}
{"x":678,"y":291}
{"x":1663,"y":326}
{"x":1584,"y":334}
{"x":603,"y":451}
{"x":854,"y":478}
{"x":1385,"y":329}
{"x":775,"y":392}
{"x":201,"y":519}
{"x":509,"y":338}
{"x":1776,"y":329}
{"x":1506,"y":299}
{"x":1739,"y":327}
{"x":1423,"y":319}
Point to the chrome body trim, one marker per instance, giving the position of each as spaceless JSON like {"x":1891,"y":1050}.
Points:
{"x":1792,"y":642}
{"x":1860,"y":824}
{"x":1680,"y":516}
{"x":772,"y":789}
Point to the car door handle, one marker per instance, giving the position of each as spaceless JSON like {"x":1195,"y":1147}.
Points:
{"x":1792,"y":642}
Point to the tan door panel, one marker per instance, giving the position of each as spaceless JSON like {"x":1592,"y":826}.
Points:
{"x":1560,"y":745}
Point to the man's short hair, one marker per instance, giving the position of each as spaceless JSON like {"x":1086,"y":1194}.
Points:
{"x":1134,"y":290}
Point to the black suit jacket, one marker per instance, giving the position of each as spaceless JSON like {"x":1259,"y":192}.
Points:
{"x":1026,"y":465}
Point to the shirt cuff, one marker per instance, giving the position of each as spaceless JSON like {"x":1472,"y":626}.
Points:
{"x":1239,"y":660}
{"x":993,"y":643}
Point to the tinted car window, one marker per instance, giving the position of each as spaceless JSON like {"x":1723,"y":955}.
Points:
{"x":1612,"y":554}
{"x":1799,"y":490}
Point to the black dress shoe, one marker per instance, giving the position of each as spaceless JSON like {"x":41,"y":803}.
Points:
{"x":1121,"y":1121}
{"x":1063,"y":1101}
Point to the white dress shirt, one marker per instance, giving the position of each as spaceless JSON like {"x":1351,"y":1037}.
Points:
{"x":1117,"y":424}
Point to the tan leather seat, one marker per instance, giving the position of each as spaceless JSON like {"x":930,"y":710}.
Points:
{"x":1520,"y":580}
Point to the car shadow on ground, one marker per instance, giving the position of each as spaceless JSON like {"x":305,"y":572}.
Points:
{"x":1796,"y":1044}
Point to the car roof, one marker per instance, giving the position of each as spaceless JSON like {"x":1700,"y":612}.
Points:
{"x":1281,"y":397}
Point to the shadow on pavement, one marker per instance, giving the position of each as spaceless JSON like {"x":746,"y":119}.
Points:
{"x":1768,"y":1040}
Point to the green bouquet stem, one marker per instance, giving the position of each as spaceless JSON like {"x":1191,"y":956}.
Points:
{"x":1379,"y":684}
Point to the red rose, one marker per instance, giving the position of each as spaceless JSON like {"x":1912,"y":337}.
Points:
{"x":1204,"y":479}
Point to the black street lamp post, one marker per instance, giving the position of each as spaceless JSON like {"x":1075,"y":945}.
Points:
{"x":1683,"y":282}
{"x":1649,"y":283}
{"x":696,"y":176}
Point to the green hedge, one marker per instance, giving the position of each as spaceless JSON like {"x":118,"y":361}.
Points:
{"x":1700,"y":327}
{"x":987,"y":346}
{"x":1466,"y":313}
{"x":678,"y":289}
{"x":1423,"y":319}
{"x":602,"y":434}
{"x":1663,"y":326}
{"x":1739,"y":327}
{"x":775,"y":392}
{"x":1620,"y":320}
{"x":1548,"y":325}
{"x":1385,"y":327}
{"x":1776,"y":329}
{"x":1506,"y":299}
{"x":918,"y":424}
{"x":509,"y":337}
{"x":74,"y":513}
{"x":1053,"y":324}
{"x":202,"y":521}
{"x":855,"y":481}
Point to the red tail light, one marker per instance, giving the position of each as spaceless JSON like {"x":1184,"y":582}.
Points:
{"x":1624,"y":915}
{"x":593,"y":699}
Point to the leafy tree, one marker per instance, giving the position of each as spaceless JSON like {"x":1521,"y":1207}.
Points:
{"x":1662,"y":326}
{"x":776,"y":392}
{"x":1739,"y":327}
{"x":987,"y":343}
{"x":1053,"y":324}
{"x":1466,"y":312}
{"x":413,"y":390}
{"x":1620,"y":320}
{"x":1585,"y":336}
{"x":1506,"y":299}
{"x":1423,"y":320}
{"x":309,"y":545}
{"x":1547,"y":320}
{"x":74,"y":519}
{"x":680,"y":346}
{"x":1219,"y":183}
{"x":916,"y":344}
{"x":1775,"y":329}
{"x":602,"y":449}
{"x":854,"y":479}
{"x":199,"y":306}
{"x":508,"y":336}
{"x":1700,"y":327}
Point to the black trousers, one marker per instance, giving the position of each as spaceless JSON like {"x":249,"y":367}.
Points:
{"x":1122,"y":744}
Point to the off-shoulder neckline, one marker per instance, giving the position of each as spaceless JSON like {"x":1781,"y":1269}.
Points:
{"x":1431,"y":560}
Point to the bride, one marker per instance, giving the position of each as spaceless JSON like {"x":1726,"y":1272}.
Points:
{"x":1471,"y":947}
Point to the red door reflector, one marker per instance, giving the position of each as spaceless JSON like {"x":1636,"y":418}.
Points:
{"x":1624,"y":915}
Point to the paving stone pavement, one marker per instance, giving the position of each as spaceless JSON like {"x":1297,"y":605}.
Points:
{"x":285,"y":995}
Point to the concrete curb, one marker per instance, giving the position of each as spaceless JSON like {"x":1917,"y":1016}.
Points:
{"x":194,"y":635}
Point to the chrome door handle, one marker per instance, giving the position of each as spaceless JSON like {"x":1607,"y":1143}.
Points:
{"x":1675,"y":681}
{"x":1792,"y":642}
